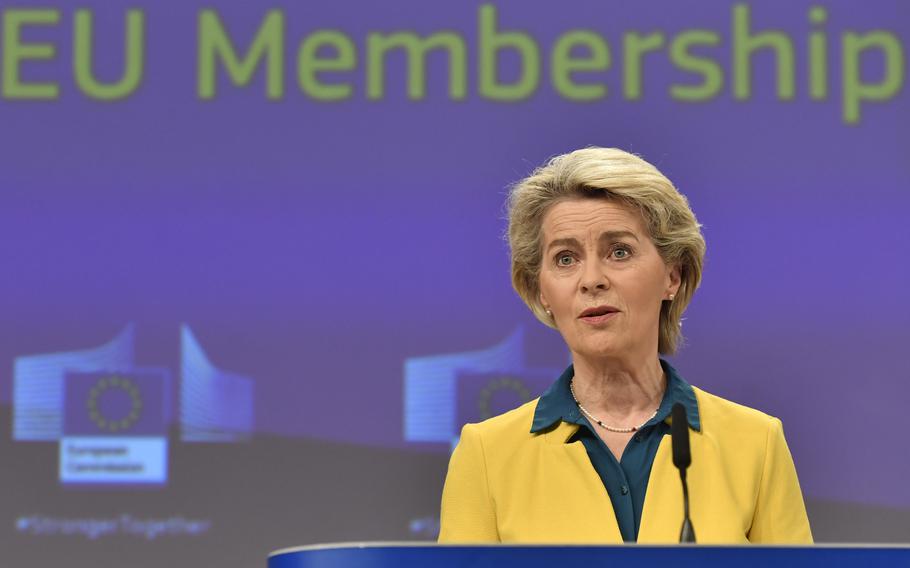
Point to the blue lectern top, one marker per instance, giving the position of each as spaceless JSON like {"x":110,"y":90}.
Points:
{"x":428,"y":555}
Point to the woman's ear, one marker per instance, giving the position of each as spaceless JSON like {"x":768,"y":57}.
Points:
{"x":674,"y":277}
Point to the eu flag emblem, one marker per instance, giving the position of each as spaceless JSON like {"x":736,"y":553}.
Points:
{"x":483,"y":395}
{"x":115,"y":403}
{"x":115,"y":428}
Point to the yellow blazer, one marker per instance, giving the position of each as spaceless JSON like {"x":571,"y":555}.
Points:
{"x":507,"y":485}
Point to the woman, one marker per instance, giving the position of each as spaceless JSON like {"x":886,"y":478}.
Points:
{"x":606,"y":251}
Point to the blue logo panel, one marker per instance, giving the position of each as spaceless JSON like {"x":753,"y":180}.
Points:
{"x":38,"y":384}
{"x":444,"y":392}
{"x":215,"y":405}
{"x":120,"y":460}
{"x":115,"y":429}
{"x":484,"y":395}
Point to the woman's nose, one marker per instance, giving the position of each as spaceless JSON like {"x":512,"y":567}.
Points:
{"x":594,"y":279}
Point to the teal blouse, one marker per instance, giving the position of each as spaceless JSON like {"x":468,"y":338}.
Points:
{"x":626,"y":480}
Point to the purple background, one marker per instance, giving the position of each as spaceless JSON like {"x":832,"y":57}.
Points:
{"x":315,"y":246}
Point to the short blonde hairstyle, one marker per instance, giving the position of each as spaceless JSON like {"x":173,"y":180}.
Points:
{"x":617,"y":175}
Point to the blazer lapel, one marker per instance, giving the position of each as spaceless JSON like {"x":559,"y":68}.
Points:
{"x":576,"y":486}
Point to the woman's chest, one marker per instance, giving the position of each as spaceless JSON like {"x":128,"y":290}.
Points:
{"x":554,"y":494}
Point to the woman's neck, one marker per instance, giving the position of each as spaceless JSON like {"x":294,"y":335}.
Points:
{"x":618,"y":389}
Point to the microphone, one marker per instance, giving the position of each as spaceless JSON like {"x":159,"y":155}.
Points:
{"x":679,"y":435}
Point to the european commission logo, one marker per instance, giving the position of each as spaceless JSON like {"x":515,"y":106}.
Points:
{"x":444,"y":392}
{"x":111,"y":417}
{"x":114,"y":428}
{"x":104,"y":419}
{"x":484,"y":395}
{"x":115,"y":403}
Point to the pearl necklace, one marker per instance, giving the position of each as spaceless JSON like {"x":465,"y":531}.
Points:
{"x":601,"y":424}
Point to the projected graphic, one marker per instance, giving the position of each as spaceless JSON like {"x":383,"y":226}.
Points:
{"x":114,"y":428}
{"x":484,"y":395}
{"x":444,"y":392}
{"x":215,"y":406}
{"x":38,"y":383}
{"x":111,"y":417}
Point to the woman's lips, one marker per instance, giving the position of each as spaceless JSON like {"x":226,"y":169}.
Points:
{"x":595,"y":320}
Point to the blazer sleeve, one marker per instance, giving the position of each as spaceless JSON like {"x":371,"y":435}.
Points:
{"x":780,"y":514}
{"x":467,"y":513}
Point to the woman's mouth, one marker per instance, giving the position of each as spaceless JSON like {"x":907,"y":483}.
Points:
{"x":598,"y":314}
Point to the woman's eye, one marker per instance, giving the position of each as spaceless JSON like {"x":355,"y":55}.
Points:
{"x":621,"y":253}
{"x":564,"y":259}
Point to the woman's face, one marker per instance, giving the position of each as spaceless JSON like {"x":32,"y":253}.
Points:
{"x":603,"y":279}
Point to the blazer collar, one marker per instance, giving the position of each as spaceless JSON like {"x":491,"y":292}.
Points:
{"x":556,"y":405}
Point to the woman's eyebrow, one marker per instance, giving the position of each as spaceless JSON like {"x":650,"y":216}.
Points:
{"x":615,"y":235}
{"x":605,"y":236}
{"x":564,"y":242}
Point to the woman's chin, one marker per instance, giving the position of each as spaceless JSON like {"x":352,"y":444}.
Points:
{"x":603,"y":349}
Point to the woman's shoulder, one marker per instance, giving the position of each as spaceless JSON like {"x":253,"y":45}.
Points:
{"x":719,"y":414}
{"x":508,"y":427}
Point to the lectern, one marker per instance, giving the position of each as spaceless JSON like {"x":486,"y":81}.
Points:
{"x":424,"y":555}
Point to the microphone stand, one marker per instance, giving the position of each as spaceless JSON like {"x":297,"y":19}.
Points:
{"x":687,"y":533}
{"x":682,"y":459}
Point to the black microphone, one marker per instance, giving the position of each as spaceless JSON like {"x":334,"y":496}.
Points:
{"x":679,"y":435}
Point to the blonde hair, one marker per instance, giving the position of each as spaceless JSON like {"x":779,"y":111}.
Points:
{"x":612,"y":174}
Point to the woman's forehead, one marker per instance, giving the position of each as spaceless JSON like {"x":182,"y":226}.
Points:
{"x":582,"y":217}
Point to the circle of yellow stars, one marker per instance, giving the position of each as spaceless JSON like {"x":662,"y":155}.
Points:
{"x":502,"y":383}
{"x":106,"y":384}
